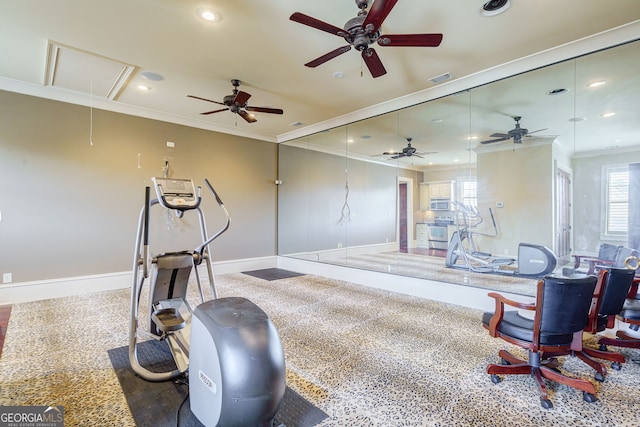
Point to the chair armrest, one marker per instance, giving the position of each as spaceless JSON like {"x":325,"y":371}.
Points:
{"x":498,"y":314}
{"x":579,"y":258}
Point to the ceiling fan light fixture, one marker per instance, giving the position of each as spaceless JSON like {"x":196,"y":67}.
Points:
{"x":495,"y":7}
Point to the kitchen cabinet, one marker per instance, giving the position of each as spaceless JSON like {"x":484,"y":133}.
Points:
{"x":441,"y":190}
{"x":422,"y":235}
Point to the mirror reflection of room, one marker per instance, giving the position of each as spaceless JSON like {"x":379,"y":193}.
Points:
{"x":489,"y":187}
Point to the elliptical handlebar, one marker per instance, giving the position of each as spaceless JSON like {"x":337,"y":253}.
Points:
{"x":200,"y":249}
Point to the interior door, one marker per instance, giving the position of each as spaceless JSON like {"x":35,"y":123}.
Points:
{"x":563,"y":216}
{"x":402,"y":217}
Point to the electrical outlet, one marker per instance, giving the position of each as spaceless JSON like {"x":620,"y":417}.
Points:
{"x":7,"y":278}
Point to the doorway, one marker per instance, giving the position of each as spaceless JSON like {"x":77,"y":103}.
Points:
{"x":404,"y":226}
{"x":563,"y":237}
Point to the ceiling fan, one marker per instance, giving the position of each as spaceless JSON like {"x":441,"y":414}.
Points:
{"x":364,"y":30}
{"x":237,"y":103}
{"x":517,"y":133}
{"x":407,"y":151}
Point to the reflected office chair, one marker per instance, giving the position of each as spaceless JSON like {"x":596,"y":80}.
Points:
{"x":630,"y":314}
{"x":611,"y":292}
{"x":607,"y":255}
{"x":561,"y":311}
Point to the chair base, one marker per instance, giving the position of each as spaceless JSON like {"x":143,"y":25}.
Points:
{"x":548,"y":370}
{"x":623,"y":340}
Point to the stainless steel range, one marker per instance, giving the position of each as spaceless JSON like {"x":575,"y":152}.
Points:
{"x":438,"y":231}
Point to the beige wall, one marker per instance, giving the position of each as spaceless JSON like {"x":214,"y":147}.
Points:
{"x":70,"y":208}
{"x":522,"y":179}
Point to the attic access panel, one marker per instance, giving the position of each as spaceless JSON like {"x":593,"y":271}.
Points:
{"x":82,"y":71}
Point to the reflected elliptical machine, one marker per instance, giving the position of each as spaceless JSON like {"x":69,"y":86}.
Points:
{"x":229,"y":346}
{"x":532,"y":261}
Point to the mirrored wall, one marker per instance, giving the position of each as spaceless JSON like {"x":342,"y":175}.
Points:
{"x":480,"y":187}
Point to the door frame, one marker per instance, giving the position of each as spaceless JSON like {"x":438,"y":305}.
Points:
{"x":410,"y":224}
{"x":559,"y":167}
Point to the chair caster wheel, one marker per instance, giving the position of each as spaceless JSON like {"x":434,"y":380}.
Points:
{"x":616,"y":366}
{"x":599,"y":377}
{"x":546,"y":404}
{"x":588,"y":397}
{"x":495,"y":379}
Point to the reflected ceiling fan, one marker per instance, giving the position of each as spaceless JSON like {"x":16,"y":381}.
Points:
{"x":364,"y":30}
{"x":237,"y":103}
{"x":517,"y":133}
{"x":407,"y":151}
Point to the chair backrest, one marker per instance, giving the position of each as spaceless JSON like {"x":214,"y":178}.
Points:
{"x":622,"y":255}
{"x":608,"y":252}
{"x":615,"y":291}
{"x":565,"y":304}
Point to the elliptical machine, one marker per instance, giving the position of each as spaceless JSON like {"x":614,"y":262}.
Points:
{"x":229,"y":345}
{"x":533,"y":260}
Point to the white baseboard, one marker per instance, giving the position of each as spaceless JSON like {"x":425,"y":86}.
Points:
{"x":12,"y":293}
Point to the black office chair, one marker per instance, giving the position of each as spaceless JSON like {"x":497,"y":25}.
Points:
{"x":611,"y":292}
{"x":561,"y":312}
{"x":607,"y":255}
{"x":630,"y":314}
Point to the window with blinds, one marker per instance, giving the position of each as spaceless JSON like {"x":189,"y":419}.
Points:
{"x":468,"y":191}
{"x":617,"y":197}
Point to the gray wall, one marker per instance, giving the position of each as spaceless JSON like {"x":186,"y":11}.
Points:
{"x":587,"y":199}
{"x":312,"y":197}
{"x":70,"y":208}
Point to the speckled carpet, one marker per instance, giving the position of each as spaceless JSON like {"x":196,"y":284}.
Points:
{"x":364,"y":356}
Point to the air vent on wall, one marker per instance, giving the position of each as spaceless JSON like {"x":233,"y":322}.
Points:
{"x":81,"y":71}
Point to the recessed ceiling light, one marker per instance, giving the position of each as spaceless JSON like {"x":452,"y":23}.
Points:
{"x":297,"y":124}
{"x":338,"y":74}
{"x":598,"y":83}
{"x":437,"y":121}
{"x":605,"y":115}
{"x":143,"y":87}
{"x":208,"y":14}
{"x":149,"y":75}
{"x":472,"y":137}
{"x":365,"y":137}
{"x":558,"y":91}
{"x":577,"y":119}
{"x":495,"y":7}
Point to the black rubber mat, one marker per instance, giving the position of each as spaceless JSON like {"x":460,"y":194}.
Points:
{"x":272,"y":274}
{"x":157,"y":404}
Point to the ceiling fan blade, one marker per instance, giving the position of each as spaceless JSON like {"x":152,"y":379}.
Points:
{"x":494,"y":140}
{"x":417,"y":155}
{"x":248,"y":117}
{"x":373,"y":62}
{"x":241,"y":98}
{"x":327,"y":56}
{"x":265,"y":110}
{"x":301,"y":18}
{"x":500,"y":135}
{"x":377,"y":14}
{"x":539,"y":130}
{"x":204,"y":99}
{"x":417,"y":40}
{"x":397,"y":156}
{"x":214,"y":111}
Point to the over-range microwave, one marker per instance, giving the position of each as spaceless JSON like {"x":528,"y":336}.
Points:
{"x":440,"y":204}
